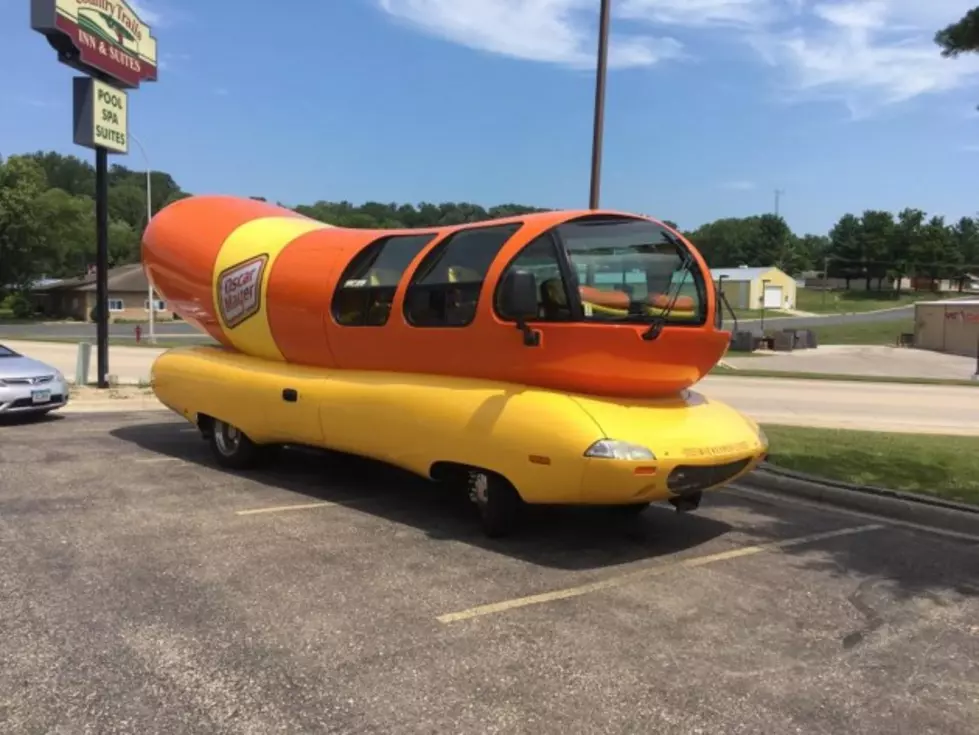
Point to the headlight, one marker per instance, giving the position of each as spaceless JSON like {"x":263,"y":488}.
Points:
{"x":615,"y":449}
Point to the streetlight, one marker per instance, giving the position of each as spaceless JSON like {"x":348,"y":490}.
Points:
{"x":599,"y":124}
{"x":149,"y":214}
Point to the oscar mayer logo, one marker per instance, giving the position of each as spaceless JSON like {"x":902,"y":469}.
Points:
{"x":240,"y":291}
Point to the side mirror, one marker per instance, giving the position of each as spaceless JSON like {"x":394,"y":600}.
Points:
{"x":519,"y":296}
{"x":518,"y":300}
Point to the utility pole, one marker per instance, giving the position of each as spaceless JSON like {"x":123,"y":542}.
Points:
{"x":599,"y":124}
{"x":778,"y":199}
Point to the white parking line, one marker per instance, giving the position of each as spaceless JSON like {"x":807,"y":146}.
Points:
{"x":282,"y":508}
{"x":154,"y":460}
{"x":623,"y":579}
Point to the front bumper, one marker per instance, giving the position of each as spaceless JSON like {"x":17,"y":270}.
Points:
{"x":23,"y":399}
{"x":608,"y":481}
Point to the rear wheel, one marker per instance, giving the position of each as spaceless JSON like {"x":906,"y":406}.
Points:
{"x":232,"y":448}
{"x":498,"y":502}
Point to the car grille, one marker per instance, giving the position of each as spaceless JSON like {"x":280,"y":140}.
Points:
{"x":690,"y":478}
{"x":40,"y":380}
{"x":28,"y":403}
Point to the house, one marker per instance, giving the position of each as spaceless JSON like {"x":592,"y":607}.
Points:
{"x":74,"y":298}
{"x":752,"y":288}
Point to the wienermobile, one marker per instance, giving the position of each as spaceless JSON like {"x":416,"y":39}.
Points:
{"x":545,"y":358}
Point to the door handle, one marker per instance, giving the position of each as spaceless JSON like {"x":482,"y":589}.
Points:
{"x":290,"y":395}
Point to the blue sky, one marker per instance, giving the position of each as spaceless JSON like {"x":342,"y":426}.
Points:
{"x":712,"y":104}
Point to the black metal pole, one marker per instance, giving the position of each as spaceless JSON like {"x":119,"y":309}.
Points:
{"x":599,"y":124}
{"x":102,"y":264}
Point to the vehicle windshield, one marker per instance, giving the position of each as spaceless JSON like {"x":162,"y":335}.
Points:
{"x":7,"y":352}
{"x":633,"y":271}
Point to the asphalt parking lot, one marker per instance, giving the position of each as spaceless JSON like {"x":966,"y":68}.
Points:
{"x":144,"y":590}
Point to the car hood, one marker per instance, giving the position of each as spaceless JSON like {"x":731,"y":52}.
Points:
{"x":24,"y":367}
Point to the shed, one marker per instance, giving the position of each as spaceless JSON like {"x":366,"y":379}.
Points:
{"x":951,"y":327}
{"x":751,"y":288}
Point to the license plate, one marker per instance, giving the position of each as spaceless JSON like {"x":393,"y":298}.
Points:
{"x":40,"y":396}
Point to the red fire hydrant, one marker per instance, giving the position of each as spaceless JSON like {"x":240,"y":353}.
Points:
{"x":139,"y":333}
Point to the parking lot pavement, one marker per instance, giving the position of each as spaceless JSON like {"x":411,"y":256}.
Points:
{"x":144,"y":590}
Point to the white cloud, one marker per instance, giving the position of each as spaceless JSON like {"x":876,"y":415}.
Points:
{"x":864,"y":53}
{"x":553,"y":31}
{"x":867,"y":54}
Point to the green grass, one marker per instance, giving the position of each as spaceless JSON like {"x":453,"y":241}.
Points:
{"x":842,"y":302}
{"x":941,"y":466}
{"x":864,"y":333}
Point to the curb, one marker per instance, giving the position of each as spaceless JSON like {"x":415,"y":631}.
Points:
{"x":894,"y":504}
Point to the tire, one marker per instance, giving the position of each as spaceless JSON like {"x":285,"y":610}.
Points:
{"x":232,"y":448}
{"x":498,"y":503}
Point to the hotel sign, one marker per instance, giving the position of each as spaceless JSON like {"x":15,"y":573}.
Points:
{"x":101,"y":36}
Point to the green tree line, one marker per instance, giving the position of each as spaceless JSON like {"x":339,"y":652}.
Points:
{"x":47,"y":228}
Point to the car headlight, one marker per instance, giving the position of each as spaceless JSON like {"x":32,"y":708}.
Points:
{"x":616,"y":449}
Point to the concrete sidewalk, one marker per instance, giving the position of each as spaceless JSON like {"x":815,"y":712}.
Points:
{"x":131,"y":365}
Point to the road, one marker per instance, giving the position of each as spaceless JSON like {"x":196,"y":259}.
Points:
{"x":859,"y":405}
{"x":74,"y":330}
{"x":145,"y":590}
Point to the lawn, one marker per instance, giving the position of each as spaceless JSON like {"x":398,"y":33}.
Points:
{"x":863,"y":333}
{"x":842,"y":302}
{"x":942,"y":466}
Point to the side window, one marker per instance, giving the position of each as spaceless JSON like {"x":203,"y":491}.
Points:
{"x":445,"y":289}
{"x":540,"y":258}
{"x":366,"y":288}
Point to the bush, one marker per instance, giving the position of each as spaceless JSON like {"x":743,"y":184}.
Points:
{"x":21,"y":306}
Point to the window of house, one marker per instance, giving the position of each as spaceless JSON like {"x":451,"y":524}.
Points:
{"x":159,"y":304}
{"x":116,"y":305}
{"x":444,"y":290}
{"x":540,"y":258}
{"x":366,"y":289}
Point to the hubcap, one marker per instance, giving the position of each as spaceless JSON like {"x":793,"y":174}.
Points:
{"x":479,"y":488}
{"x":228,"y":438}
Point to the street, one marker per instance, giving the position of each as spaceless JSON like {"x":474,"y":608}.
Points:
{"x":146,"y":591}
{"x":172,"y":329}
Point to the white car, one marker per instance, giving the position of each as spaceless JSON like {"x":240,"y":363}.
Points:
{"x":29,"y":386}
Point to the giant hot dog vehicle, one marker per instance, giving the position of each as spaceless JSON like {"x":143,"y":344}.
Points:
{"x":544,"y":358}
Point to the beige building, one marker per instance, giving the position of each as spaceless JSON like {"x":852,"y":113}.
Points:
{"x":74,"y":298}
{"x":947,"y":326}
{"x":751,"y":288}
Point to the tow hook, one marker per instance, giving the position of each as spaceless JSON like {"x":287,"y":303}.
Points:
{"x":687,"y":503}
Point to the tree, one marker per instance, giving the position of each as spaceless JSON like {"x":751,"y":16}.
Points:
{"x":960,"y":37}
{"x":875,"y":236}
{"x":22,"y":182}
{"x":844,"y":251}
{"x":905,"y":242}
{"x":935,"y":251}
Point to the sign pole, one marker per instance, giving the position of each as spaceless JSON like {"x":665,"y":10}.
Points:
{"x":115,"y":51}
{"x":102,"y":263}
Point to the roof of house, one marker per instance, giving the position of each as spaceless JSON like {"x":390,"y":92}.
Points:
{"x":124,"y":278}
{"x":740,"y":274}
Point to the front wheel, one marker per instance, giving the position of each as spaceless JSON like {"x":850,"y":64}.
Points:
{"x":232,"y":448}
{"x":498,"y":502}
